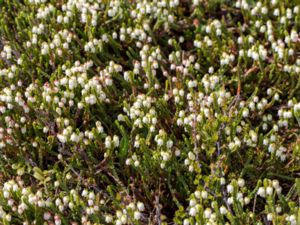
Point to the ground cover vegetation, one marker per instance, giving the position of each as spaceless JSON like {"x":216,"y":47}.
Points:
{"x":149,"y":112}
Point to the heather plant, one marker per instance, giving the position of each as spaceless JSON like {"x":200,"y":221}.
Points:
{"x":150,"y":112}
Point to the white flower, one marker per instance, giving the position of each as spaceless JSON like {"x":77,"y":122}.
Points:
{"x":230,"y":200}
{"x":47,"y":216}
{"x":137,"y":215}
{"x":62,"y":138}
{"x":204,"y":194}
{"x":229,"y":188}
{"x":160,"y":142}
{"x":186,"y":222}
{"x":269,"y":217}
{"x":8,"y":217}
{"x":191,"y":156}
{"x":207,"y":213}
{"x":116,"y":141}
{"x":269,"y":190}
{"x":108,"y":142}
{"x":140,"y":206}
{"x":192,"y":202}
{"x":246,"y":200}
{"x":261,"y":192}
{"x":241,"y":182}
{"x":169,"y":144}
{"x":222,"y":181}
{"x":74,"y":138}
{"x":223,"y":210}
{"x":192,"y":211}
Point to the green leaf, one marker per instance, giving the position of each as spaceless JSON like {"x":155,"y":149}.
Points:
{"x":124,"y":144}
{"x":38,"y":174}
{"x":123,"y":147}
{"x":158,"y":24}
{"x":298,"y":185}
{"x":298,"y":217}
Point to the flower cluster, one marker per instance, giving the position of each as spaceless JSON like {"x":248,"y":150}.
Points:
{"x":149,"y":112}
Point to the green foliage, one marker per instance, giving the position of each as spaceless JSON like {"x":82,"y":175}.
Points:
{"x":149,"y":112}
